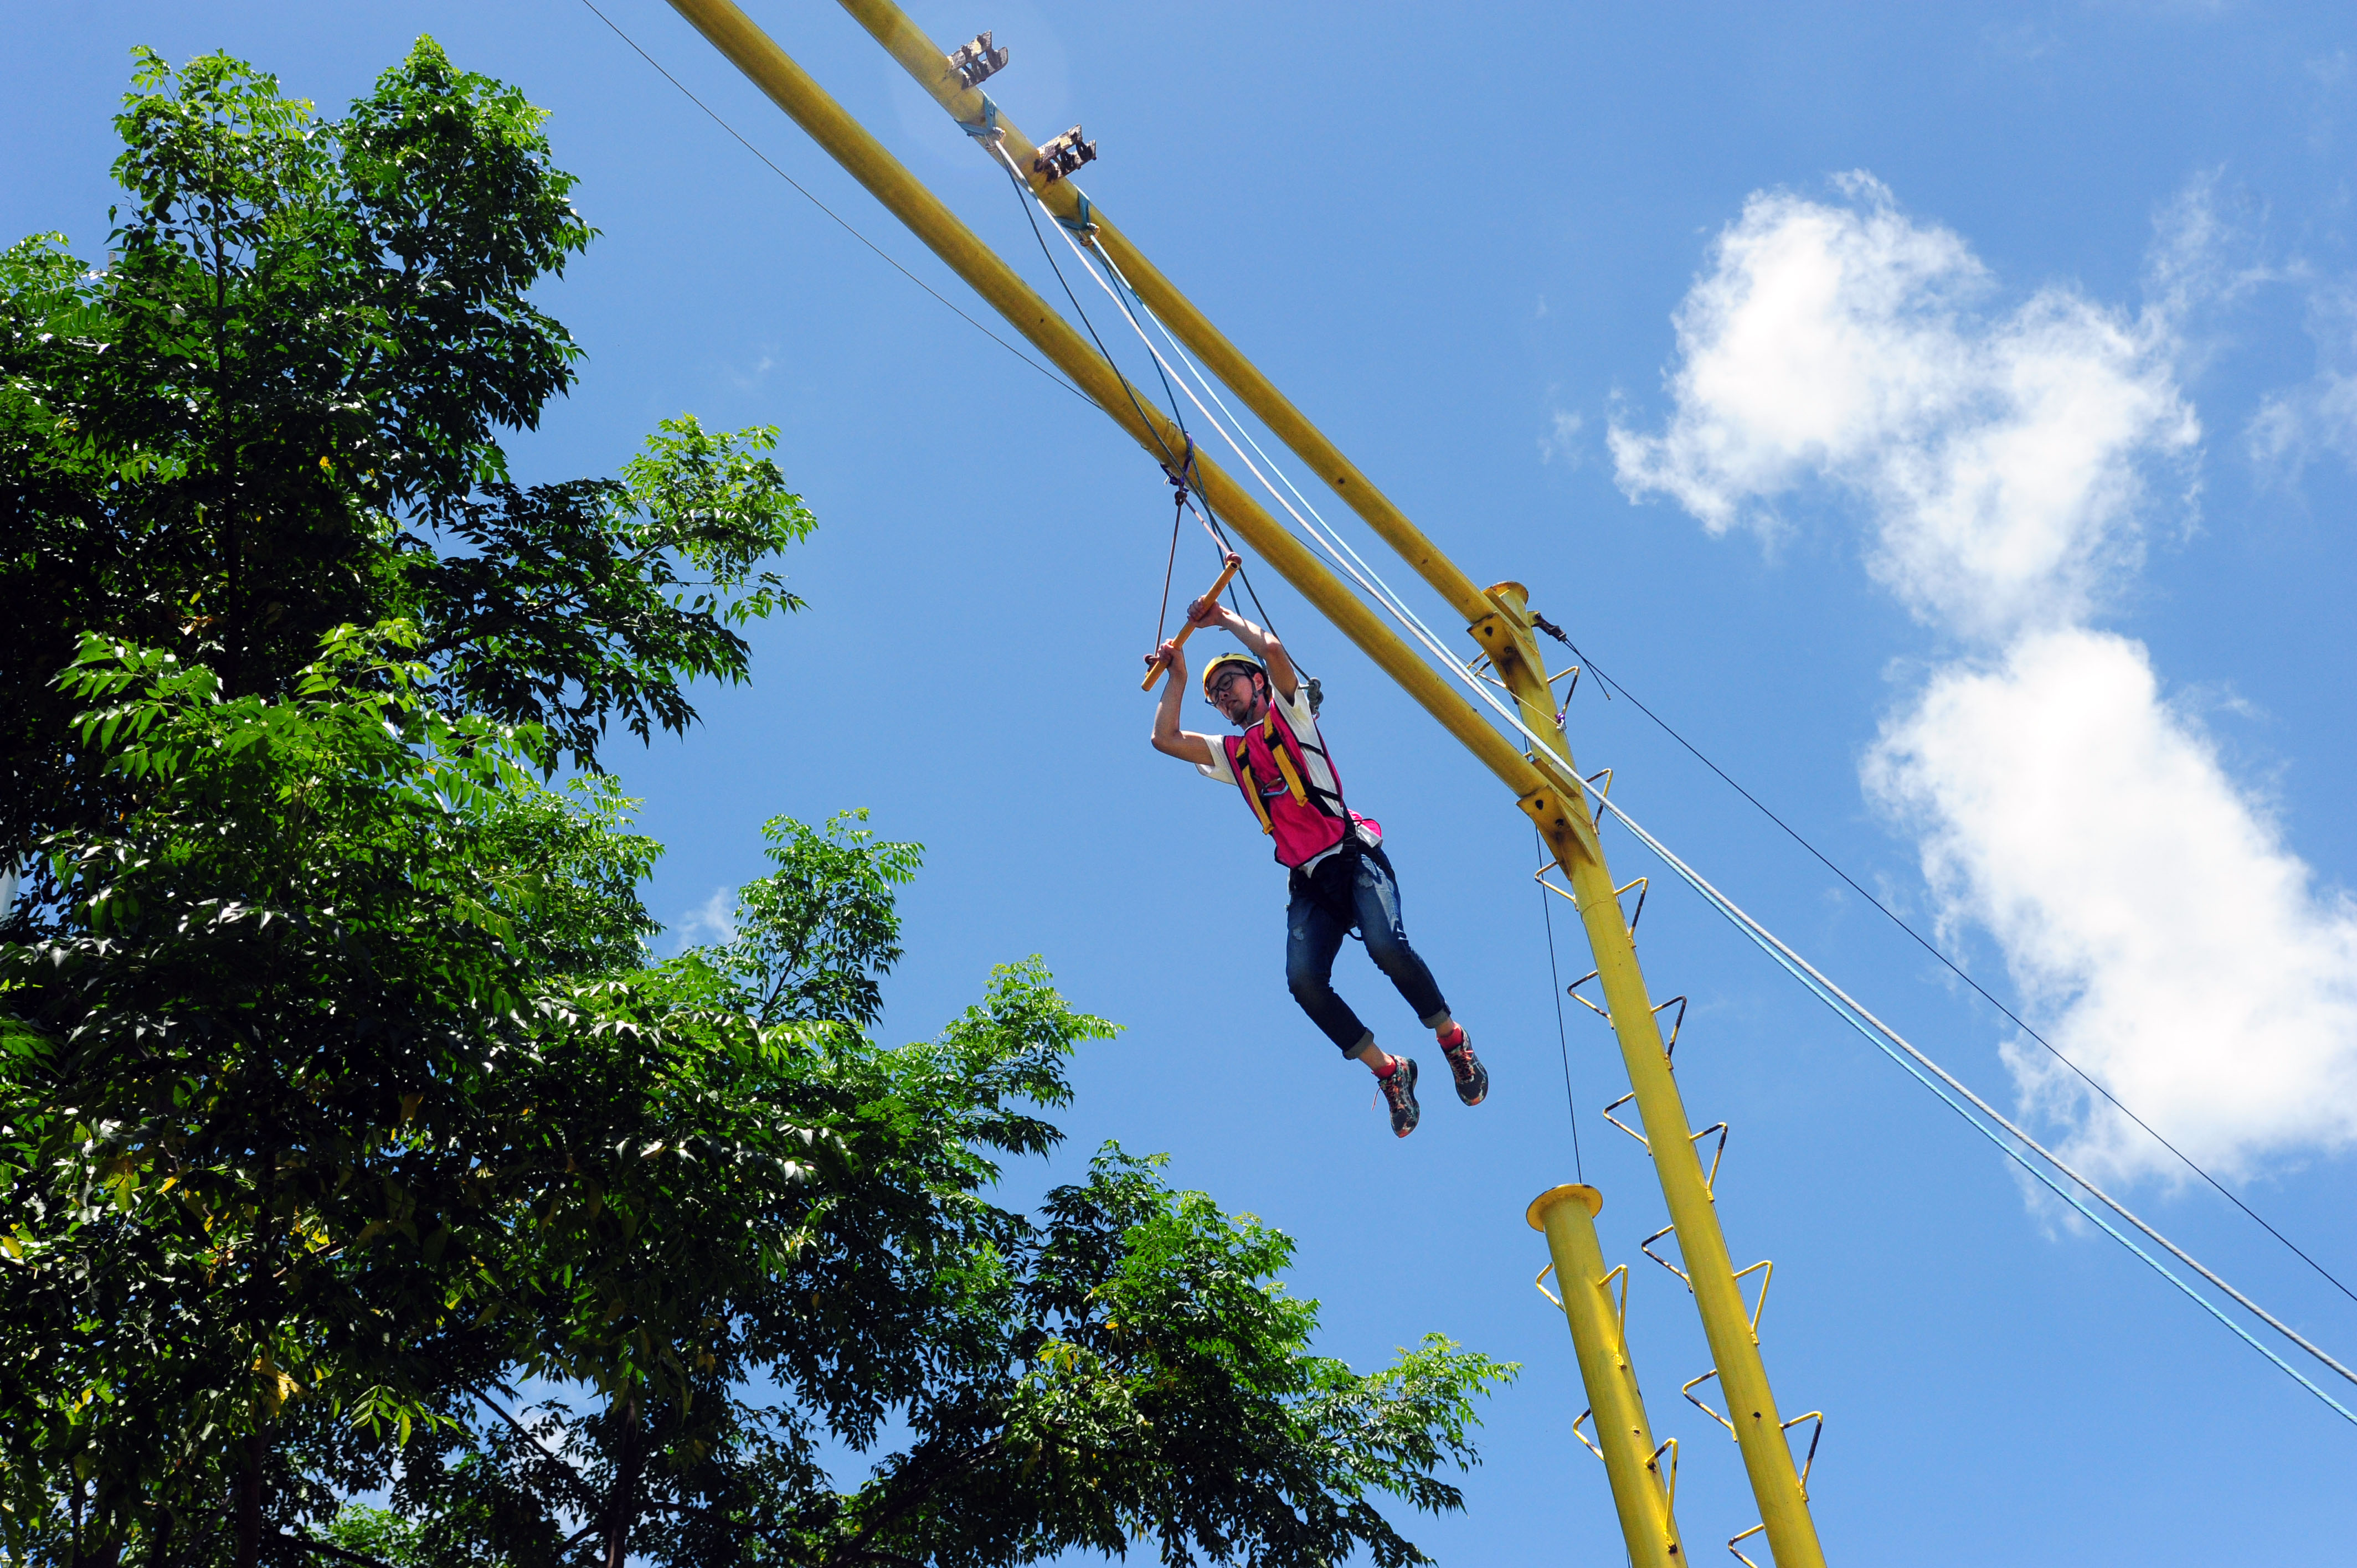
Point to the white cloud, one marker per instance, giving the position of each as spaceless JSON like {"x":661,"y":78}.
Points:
{"x":2293,"y":427}
{"x":715,"y":922}
{"x":2002,"y":461}
{"x":1999,"y":457}
{"x":2162,"y":934}
{"x":1561,"y":443}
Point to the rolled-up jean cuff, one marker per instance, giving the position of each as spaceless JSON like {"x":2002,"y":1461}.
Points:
{"x":1437,"y":1020}
{"x":1365,"y":1045}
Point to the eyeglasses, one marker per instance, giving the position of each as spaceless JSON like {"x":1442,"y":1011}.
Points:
{"x":1219,"y":688}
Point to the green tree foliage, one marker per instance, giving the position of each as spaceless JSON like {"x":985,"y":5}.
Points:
{"x":276,"y":410}
{"x":367,"y":1191}
{"x":330,"y":1123}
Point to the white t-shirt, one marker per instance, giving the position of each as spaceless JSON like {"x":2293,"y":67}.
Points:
{"x":1297,"y":712}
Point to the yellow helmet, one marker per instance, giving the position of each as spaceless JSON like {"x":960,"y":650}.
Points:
{"x":1221,"y":660}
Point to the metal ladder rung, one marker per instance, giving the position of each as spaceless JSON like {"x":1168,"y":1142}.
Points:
{"x":1623,"y":1125}
{"x":1646,"y":1247}
{"x":1688,"y":1387}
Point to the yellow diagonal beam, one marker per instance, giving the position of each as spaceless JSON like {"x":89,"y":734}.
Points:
{"x":1546,"y":789}
{"x":923,"y":61}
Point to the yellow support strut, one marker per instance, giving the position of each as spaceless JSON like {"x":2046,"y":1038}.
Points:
{"x":1644,"y":1490}
{"x":1546,"y":786}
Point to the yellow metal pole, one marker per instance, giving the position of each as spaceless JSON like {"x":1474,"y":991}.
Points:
{"x":1546,"y":787}
{"x":1645,"y":1493}
{"x":1543,"y":790}
{"x":918,"y":55}
{"x":1759,"y":1430}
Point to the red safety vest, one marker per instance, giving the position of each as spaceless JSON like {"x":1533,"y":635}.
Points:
{"x":1292,"y":787}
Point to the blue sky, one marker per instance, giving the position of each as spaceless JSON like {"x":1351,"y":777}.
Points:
{"x":1947,"y":419}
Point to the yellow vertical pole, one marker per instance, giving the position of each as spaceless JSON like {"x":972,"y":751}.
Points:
{"x":1644,"y":1491}
{"x":1726,"y":1323}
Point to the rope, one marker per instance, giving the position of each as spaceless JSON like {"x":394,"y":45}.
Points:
{"x":1177,"y":515}
{"x":1359,"y":571}
{"x":1338,"y":548}
{"x":1921,"y":940}
{"x":1562,"y":1036}
{"x":1924,"y":1070}
{"x":822,"y":207}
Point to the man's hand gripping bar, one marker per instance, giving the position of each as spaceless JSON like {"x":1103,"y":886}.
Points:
{"x":1155,"y":660}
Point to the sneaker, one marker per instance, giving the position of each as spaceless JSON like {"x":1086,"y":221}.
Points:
{"x":1399,"y":1092}
{"x":1472,"y":1078}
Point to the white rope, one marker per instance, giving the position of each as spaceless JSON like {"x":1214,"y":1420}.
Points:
{"x":1886,"y":1037}
{"x":1356,"y":568}
{"x":1339,"y":550}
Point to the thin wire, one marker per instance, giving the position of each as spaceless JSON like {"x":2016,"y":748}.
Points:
{"x":1162,"y":373}
{"x":1177,"y":515}
{"x":822,"y":207}
{"x":1347,"y":559}
{"x":1025,"y":197}
{"x":1558,"y":634}
{"x":1562,"y":1036}
{"x":1885,"y":1037}
{"x":1389,"y":597}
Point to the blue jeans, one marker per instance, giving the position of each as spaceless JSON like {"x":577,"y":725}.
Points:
{"x":1348,"y":891}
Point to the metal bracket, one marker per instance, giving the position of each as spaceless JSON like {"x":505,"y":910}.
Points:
{"x":1477,"y":668}
{"x":1688,"y":1389}
{"x":1572,"y":991}
{"x":1541,"y":1284}
{"x":976,"y":63}
{"x":1646,"y":1247}
{"x":1669,"y":1482}
{"x":1586,"y":1415}
{"x":1623,"y":1125}
{"x":1745,"y":1536}
{"x":1063,"y":155}
{"x":1818,"y":1417}
{"x":1761,"y":1304}
{"x":1573,"y":672}
{"x":1560,"y":814}
{"x":1710,"y":1182}
{"x":1643,"y":885}
{"x":1670,"y":1045}
{"x":1540,"y":877}
{"x":1623,"y":1270}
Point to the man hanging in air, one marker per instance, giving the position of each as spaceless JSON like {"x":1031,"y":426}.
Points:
{"x":1340,"y":877}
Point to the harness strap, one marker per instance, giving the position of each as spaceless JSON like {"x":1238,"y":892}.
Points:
{"x":1277,"y":748}
{"x":1240,"y":759}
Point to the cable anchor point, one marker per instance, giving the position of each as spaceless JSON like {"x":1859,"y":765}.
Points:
{"x":986,"y":129}
{"x":976,"y":63}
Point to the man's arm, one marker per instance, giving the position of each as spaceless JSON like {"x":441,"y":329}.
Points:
{"x":1169,"y":738}
{"x":1264,"y":644}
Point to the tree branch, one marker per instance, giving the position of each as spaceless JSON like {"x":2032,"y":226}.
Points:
{"x":324,"y":1549}
{"x":584,"y":1493}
